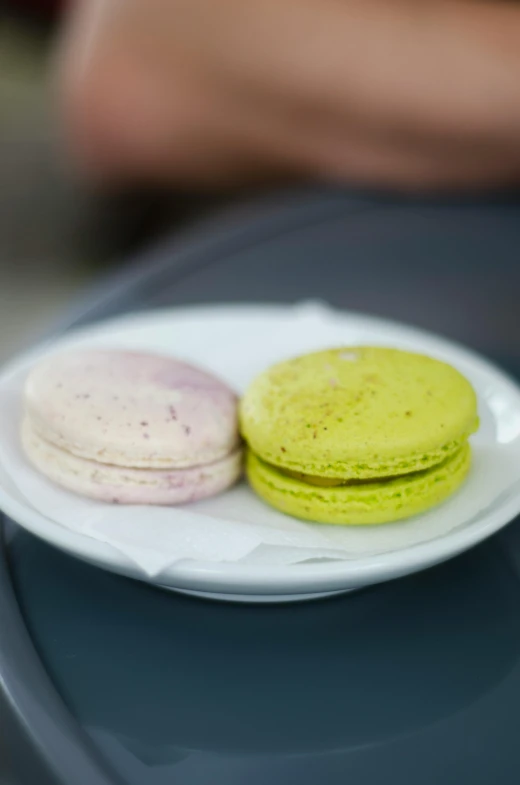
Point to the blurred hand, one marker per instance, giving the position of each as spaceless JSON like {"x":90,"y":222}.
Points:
{"x":409,"y":93}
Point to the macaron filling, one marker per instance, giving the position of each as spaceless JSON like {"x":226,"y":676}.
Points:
{"x":337,"y":482}
{"x":129,"y":485}
{"x":378,"y":501}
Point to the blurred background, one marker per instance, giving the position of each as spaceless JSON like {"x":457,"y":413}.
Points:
{"x":42,"y":261}
{"x":56,"y":235}
{"x":216,"y":114}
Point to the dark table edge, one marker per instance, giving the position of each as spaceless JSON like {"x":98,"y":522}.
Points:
{"x":34,"y":721}
{"x":231,"y":229}
{"x":228,"y":231}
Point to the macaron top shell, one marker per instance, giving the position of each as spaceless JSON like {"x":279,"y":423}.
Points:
{"x":131,"y":409}
{"x":358,"y":412}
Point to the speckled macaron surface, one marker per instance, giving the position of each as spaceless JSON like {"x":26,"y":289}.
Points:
{"x":356,"y":417}
{"x":92,"y":416}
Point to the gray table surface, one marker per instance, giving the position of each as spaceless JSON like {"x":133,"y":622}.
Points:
{"x":416,"y":682}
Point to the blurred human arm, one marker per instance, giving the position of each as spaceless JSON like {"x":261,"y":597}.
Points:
{"x":407,"y":93}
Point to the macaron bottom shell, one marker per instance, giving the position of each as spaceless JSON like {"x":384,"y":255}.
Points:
{"x":120,"y":485}
{"x":359,"y":503}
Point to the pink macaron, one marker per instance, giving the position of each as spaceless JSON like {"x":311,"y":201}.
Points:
{"x":131,"y":428}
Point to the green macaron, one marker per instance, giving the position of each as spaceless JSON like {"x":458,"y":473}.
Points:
{"x":358,"y":435}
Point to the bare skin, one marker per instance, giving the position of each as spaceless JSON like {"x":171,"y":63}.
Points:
{"x":406,"y":93}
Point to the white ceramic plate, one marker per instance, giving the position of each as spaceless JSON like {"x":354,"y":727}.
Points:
{"x":236,"y":343}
